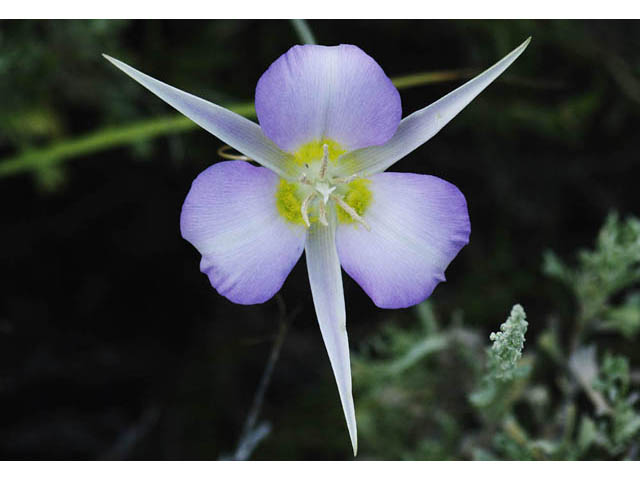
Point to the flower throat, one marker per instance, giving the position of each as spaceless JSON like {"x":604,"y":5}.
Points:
{"x":317,"y":190}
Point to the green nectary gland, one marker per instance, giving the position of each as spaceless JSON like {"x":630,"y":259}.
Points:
{"x":289,"y":198}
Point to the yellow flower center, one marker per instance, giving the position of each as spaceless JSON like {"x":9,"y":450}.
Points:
{"x":312,"y":152}
{"x":358,"y":197}
{"x":308,"y":199}
{"x":288,"y":201}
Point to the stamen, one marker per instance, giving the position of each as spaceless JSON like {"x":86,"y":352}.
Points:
{"x":352,"y":213}
{"x":345,"y":180}
{"x":304,"y":208}
{"x":325,"y":161}
{"x":323,"y":214}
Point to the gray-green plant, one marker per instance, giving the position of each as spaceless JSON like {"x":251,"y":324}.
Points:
{"x":569,"y":395}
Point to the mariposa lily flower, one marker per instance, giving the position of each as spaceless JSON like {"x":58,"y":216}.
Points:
{"x":329,"y":126}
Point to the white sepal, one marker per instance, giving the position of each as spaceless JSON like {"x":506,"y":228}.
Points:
{"x":235,"y":130}
{"x":325,"y":278}
{"x":422,"y":125}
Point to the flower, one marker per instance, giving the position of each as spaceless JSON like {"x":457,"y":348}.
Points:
{"x":329,"y":126}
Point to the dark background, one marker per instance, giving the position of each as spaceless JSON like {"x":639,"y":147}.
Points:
{"x":114,"y":345}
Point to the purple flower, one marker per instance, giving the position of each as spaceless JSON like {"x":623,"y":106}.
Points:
{"x":330,"y":125}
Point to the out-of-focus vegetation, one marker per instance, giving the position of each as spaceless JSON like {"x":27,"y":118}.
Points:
{"x":113,"y":345}
{"x":412,"y":380}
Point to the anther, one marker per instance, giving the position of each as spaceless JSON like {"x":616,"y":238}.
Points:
{"x":323,"y":214}
{"x":352,"y":213}
{"x":325,"y":161}
{"x":304,"y":208}
{"x":344,"y":180}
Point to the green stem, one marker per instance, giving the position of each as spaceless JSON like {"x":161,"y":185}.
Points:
{"x":426,"y":78}
{"x":303,"y":31}
{"x":111,"y":137}
{"x":103,"y":139}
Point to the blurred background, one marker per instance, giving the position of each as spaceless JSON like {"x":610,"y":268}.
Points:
{"x":114,"y":346}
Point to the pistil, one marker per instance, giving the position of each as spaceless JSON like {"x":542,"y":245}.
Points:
{"x":325,"y":190}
